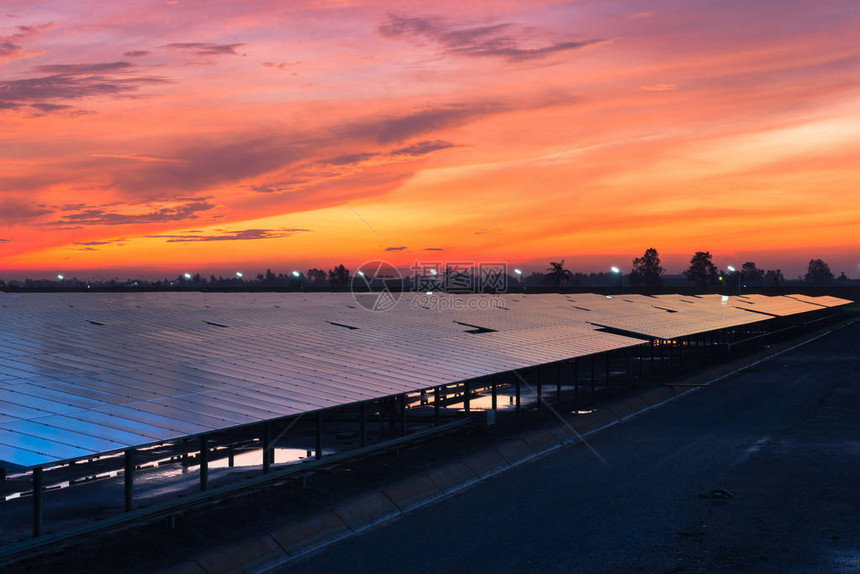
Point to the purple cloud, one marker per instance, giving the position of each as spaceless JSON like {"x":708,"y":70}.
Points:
{"x":12,"y":212}
{"x":136,"y":53}
{"x":96,"y":216}
{"x":395,"y":248}
{"x":243,"y":235}
{"x":207,"y":48}
{"x":60,"y":82}
{"x":495,"y":40}
{"x":424,"y":147}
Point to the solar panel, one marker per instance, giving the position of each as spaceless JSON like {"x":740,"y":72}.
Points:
{"x":88,"y":374}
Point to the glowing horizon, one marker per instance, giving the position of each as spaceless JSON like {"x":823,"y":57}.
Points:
{"x":163,"y":137}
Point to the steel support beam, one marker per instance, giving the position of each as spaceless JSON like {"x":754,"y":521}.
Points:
{"x":37,"y":501}
{"x":318,"y":453}
{"x":519,"y":392}
{"x":362,"y":424}
{"x":558,"y":382}
{"x":495,"y":394}
{"x":267,"y":446}
{"x":402,"y":401}
{"x":128,"y":478}
{"x":204,"y":462}
{"x":539,"y":387}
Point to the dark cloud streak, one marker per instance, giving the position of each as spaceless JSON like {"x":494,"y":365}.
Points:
{"x":207,"y":48}
{"x":162,"y":215}
{"x":495,"y":40}
{"x":243,"y":235}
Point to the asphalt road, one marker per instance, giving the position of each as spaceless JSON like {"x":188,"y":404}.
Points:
{"x":782,"y":441}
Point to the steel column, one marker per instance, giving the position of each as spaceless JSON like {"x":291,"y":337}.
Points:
{"x":129,"y":479}
{"x":318,"y":453}
{"x":267,"y":446}
{"x":518,"y":385}
{"x":495,"y":394}
{"x":539,"y":387}
{"x":204,"y":462}
{"x":558,"y":382}
{"x":362,"y":424}
{"x":37,"y":502}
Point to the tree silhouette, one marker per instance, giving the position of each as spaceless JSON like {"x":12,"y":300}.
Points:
{"x":774,"y":278}
{"x":702,"y":270}
{"x":557,"y":272}
{"x":647,"y":270}
{"x":316,"y":276}
{"x":338,"y":277}
{"x":751,"y":273}
{"x":818,"y":272}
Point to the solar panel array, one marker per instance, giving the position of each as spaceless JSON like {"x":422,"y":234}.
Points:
{"x":89,"y":374}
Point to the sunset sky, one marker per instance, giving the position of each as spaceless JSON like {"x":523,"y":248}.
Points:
{"x":147,"y":138}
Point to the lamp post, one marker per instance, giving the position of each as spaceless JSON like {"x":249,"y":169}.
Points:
{"x":617,"y":271}
{"x":522,"y":278}
{"x":738,"y":273}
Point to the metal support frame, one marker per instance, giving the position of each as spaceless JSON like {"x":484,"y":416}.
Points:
{"x":608,"y":359}
{"x":467,"y":399}
{"x":38,"y":487}
{"x":576,"y":377}
{"x":402,"y":401}
{"x":362,"y":423}
{"x":267,"y":446}
{"x":318,"y":453}
{"x":519,"y":393}
{"x":558,"y":382}
{"x":593,"y":369}
{"x":495,"y":394}
{"x":128,"y":478}
{"x":437,"y":414}
{"x":204,"y":462}
{"x":539,"y":387}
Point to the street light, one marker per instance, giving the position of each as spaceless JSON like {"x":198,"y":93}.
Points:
{"x":239,"y":274}
{"x":733,"y":270}
{"x":296,"y":274}
{"x":617,"y":271}
{"x":519,"y":273}
{"x":187,"y":275}
{"x":60,"y":277}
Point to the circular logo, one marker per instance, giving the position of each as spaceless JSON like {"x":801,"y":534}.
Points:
{"x":377,"y":286}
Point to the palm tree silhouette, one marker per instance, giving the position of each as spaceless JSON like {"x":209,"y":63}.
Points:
{"x":557,"y":272}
